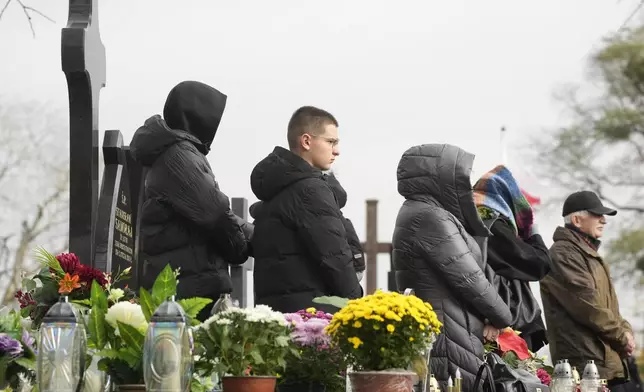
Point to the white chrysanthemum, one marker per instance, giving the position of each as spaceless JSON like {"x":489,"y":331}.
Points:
{"x":258,"y":314}
{"x":205,"y":324}
{"x":127,"y":313}
{"x":264,"y":314}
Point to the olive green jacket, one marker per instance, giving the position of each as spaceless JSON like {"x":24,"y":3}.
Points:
{"x":581,"y":309}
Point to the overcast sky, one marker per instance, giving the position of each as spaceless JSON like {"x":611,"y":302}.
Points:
{"x":394,"y":73}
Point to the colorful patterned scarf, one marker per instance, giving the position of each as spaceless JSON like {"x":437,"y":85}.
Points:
{"x":499,"y":191}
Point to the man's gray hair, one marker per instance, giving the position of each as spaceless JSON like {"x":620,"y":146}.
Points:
{"x":568,"y":218}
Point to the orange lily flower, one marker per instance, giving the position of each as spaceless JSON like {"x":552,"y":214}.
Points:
{"x":68,"y":283}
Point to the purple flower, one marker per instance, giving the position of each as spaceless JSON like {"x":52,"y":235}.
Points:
{"x":28,"y":340}
{"x":325,"y":316}
{"x":10,"y":347}
{"x":310,"y":332}
{"x":293,"y":318}
{"x":315,"y":326}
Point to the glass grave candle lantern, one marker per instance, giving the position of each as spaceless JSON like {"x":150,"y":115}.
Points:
{"x":421,"y":385}
{"x":223,"y":303}
{"x":167,"y":352}
{"x":62,"y":349}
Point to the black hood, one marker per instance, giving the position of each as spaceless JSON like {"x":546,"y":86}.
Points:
{"x":442,"y":171}
{"x":338,"y":191}
{"x":277,"y":171}
{"x":196,"y":108}
{"x":155,"y":137}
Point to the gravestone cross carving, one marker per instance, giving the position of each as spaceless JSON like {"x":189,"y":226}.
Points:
{"x":83,"y":62}
{"x":372,"y":248}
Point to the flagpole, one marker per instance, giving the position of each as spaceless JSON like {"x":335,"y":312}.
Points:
{"x":503,"y":145}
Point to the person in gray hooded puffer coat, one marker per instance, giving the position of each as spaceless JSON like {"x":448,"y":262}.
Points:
{"x":435,"y":253}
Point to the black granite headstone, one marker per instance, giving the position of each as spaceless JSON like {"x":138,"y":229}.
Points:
{"x":83,"y":62}
{"x":136,"y":174}
{"x":114,"y":235}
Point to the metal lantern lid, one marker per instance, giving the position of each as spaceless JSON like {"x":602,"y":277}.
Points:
{"x":62,"y":311}
{"x":590,"y":371}
{"x":169,"y":311}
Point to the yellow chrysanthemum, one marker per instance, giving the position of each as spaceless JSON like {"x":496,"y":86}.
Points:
{"x":355,"y":341}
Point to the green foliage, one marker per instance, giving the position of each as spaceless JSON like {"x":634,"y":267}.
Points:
{"x":11,"y":368}
{"x":192,"y":307}
{"x":148,"y":305}
{"x":165,"y":286}
{"x":628,"y":250}
{"x":313,"y":364}
{"x":244,"y":342}
{"x":120,"y":349}
{"x":201,"y":384}
{"x":49,"y":261}
{"x":96,"y":325}
{"x":337,"y":302}
{"x":602,"y":147}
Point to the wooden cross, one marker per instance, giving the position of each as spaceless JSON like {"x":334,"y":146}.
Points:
{"x":373,"y":248}
{"x":83,"y":62}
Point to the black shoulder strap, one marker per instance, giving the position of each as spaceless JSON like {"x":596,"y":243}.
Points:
{"x":488,"y":383}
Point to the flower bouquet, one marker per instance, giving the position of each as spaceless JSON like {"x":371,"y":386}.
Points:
{"x":63,"y":275}
{"x":382,"y":336}
{"x":319,"y":364}
{"x":513,"y":349}
{"x":17,"y":352}
{"x":244,"y":345}
{"x":117,"y":331}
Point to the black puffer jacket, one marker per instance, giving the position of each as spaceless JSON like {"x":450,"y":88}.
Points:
{"x":352,"y":236}
{"x":186,"y":220}
{"x":300,"y":244}
{"x":435,"y":254}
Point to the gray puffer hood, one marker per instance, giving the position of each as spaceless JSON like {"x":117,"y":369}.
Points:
{"x":442,"y":171}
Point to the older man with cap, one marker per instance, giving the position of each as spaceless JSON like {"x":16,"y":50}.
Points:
{"x":579,"y":300}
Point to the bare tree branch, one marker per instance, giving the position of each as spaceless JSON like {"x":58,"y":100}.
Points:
{"x":28,"y":11}
{"x":4,"y":8}
{"x":36,"y":209}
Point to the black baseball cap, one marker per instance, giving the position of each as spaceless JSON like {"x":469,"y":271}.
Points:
{"x":586,"y":201}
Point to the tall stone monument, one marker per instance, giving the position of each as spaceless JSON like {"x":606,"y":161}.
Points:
{"x":83,"y":62}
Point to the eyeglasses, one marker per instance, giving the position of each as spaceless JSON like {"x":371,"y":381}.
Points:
{"x":332,"y":141}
